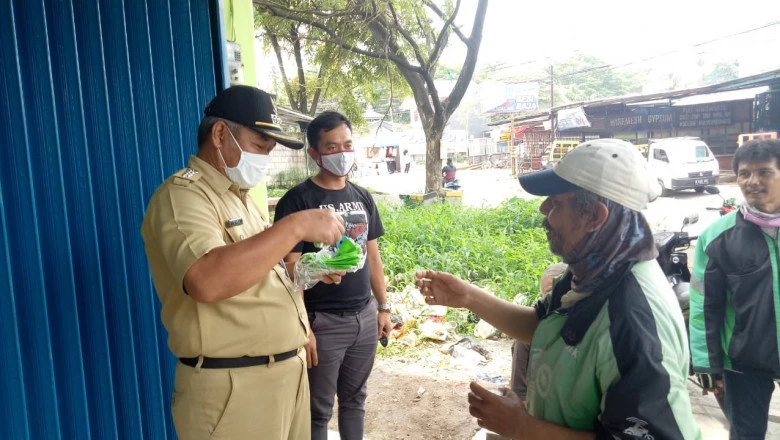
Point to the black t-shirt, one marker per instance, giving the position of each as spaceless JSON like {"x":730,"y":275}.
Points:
{"x":356,"y":203}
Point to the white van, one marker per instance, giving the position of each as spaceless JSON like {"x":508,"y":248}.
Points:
{"x":682,"y":163}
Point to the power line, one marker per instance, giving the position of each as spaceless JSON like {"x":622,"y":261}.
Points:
{"x":617,"y":66}
{"x":610,"y":67}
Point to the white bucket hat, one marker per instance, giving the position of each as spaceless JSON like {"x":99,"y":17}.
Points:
{"x":611,"y":168}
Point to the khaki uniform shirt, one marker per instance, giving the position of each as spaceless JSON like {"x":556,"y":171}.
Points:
{"x":194,"y":211}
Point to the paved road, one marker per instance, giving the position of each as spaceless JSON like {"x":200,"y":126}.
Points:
{"x":491,"y":187}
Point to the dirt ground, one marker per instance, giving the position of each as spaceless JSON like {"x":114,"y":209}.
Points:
{"x":422,"y":394}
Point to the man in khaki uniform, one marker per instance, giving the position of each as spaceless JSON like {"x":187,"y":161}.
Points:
{"x":234,"y":319}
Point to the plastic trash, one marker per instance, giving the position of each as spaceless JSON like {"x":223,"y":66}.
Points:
{"x":484,"y":330}
{"x":466,"y":357}
{"x":471,"y":344}
{"x":434,"y":329}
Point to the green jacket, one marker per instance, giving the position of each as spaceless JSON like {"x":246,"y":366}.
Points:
{"x":735,"y":299}
{"x":616,"y":362}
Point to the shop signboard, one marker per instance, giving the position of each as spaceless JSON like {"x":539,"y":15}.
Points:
{"x":511,"y":98}
{"x":705,"y":115}
{"x":640,"y":119}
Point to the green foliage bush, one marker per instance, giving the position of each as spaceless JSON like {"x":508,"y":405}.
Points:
{"x":287,"y":179}
{"x":503,"y":249}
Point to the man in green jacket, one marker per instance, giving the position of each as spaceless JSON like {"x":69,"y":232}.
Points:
{"x":735,"y":302}
{"x":609,"y":354}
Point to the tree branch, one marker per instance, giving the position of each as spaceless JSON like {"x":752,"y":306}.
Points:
{"x":440,"y":14}
{"x":317,"y":12}
{"x":429,"y":37}
{"x":296,"y":41}
{"x":422,"y":84}
{"x":452,"y":101}
{"x":399,"y":61}
{"x":285,"y":81}
{"x":315,"y":100}
{"x":417,"y":53}
{"x":442,"y":40}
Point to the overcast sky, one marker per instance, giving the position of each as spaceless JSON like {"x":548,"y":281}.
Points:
{"x":529,"y":35}
{"x":621,"y":31}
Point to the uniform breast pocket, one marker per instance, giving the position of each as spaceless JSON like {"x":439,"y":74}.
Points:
{"x":235,"y":234}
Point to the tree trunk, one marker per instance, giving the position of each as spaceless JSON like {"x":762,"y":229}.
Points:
{"x":433,"y":160}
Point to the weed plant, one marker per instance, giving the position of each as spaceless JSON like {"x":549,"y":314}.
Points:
{"x":502,"y":249}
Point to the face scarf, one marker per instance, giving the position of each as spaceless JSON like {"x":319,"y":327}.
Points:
{"x":623,"y":239}
{"x":760,"y":219}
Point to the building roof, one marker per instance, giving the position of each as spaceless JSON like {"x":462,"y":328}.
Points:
{"x":766,"y":79}
{"x":292,"y":116}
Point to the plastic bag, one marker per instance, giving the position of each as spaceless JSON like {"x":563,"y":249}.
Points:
{"x":345,"y":256}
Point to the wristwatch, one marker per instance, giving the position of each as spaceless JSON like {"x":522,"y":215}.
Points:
{"x":384,"y":307}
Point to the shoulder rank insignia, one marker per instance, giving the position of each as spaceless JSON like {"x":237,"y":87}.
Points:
{"x":186,"y":176}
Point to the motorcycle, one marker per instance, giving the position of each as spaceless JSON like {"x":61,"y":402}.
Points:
{"x":727,"y":206}
{"x":673,"y":259}
{"x":454,"y":184}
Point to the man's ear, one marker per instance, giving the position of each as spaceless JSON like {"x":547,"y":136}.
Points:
{"x":597,"y":217}
{"x":219,"y":134}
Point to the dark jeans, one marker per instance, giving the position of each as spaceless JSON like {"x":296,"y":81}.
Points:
{"x":747,"y":404}
{"x":346,"y":346}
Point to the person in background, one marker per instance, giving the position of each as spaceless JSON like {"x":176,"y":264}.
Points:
{"x":346,"y":322}
{"x":406,"y":161}
{"x":448,"y":171}
{"x":735,"y":298}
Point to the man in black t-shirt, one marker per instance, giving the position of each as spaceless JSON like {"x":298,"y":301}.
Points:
{"x":345,"y":322}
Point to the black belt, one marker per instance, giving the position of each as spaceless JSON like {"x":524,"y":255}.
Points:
{"x":239,"y":362}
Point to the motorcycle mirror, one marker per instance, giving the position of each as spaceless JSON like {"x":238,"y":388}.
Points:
{"x":712,"y":189}
{"x":691,"y":219}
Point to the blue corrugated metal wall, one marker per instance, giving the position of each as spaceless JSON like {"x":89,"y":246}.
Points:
{"x":100,"y":101}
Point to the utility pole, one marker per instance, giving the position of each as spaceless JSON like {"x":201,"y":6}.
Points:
{"x":552,"y":104}
{"x":552,"y":89}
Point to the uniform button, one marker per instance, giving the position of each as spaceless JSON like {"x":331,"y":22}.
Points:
{"x":240,"y":237}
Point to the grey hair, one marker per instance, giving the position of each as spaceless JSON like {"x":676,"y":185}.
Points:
{"x":583,"y":201}
{"x":207,"y":123}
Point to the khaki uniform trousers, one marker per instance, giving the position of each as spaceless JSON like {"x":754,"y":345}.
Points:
{"x":264,"y":402}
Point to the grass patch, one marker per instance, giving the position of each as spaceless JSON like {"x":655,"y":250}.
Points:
{"x":503,"y":249}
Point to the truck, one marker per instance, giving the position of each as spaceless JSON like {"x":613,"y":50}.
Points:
{"x":555,"y":151}
{"x":744,"y":137}
{"x":682,"y":163}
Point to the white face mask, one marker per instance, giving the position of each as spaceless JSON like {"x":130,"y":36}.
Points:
{"x":340,"y":164}
{"x":250,"y":170}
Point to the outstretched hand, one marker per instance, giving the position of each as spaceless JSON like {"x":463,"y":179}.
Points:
{"x":441,"y":288}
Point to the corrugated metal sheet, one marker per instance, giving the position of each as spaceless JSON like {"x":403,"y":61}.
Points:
{"x":100,"y":101}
